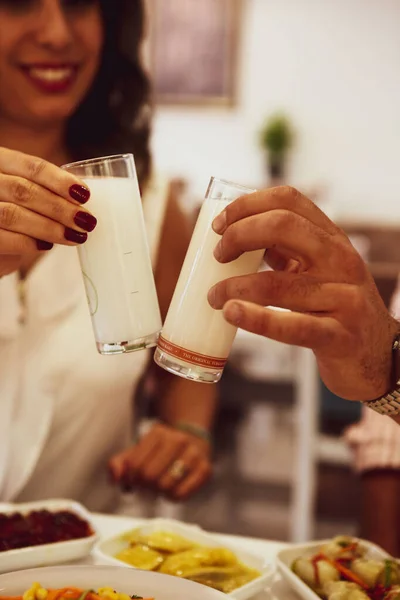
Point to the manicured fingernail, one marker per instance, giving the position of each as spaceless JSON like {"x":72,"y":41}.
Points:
{"x":75,"y":236}
{"x":211,"y":296}
{"x":42,"y":245}
{"x":218,"y":251}
{"x":79,"y":193}
{"x":233,"y":313}
{"x":112,"y":474}
{"x":219,"y":223}
{"x":127,"y":487}
{"x":125,"y":483}
{"x":127,"y":479}
{"x":85,"y":220}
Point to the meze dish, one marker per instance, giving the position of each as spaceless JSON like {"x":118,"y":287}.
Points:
{"x":172,"y":554}
{"x":343,"y":569}
{"x":37,"y":527}
{"x":38,"y":592}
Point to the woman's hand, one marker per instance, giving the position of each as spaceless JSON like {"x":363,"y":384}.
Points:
{"x":40,"y":205}
{"x":170,"y":461}
{"x":335,"y":307}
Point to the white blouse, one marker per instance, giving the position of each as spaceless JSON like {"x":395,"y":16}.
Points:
{"x":64,"y":408}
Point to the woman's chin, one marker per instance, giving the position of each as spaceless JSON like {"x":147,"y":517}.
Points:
{"x":49,"y":113}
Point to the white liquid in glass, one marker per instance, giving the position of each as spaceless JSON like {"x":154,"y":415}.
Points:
{"x":116,"y":264}
{"x":191,"y":323}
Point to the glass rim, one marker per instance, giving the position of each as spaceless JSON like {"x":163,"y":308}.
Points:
{"x":231,"y":184}
{"x":96,"y":161}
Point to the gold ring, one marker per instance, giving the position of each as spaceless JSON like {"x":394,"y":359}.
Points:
{"x":178,"y":469}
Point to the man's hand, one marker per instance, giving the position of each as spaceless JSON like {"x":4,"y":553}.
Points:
{"x":335,"y":307}
{"x":173,"y":462}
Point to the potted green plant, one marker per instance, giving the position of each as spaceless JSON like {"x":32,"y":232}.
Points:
{"x":276,"y":140}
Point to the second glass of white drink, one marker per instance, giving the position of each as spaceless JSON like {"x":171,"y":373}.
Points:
{"x":196,"y":340}
{"x":115,"y":260}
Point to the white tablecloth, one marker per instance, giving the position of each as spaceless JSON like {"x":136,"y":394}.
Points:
{"x":107,"y":526}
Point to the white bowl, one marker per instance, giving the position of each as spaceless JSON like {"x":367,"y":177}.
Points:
{"x":286,"y":557}
{"x":105,"y":551}
{"x":47,"y":554}
{"x":128,"y":581}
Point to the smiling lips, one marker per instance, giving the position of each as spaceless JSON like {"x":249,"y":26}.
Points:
{"x":51,"y":78}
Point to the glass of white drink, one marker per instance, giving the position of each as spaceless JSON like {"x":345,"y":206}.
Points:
{"x":196,"y":340}
{"x":115,"y":260}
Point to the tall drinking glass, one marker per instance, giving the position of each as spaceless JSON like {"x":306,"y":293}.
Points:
{"x":115,"y":260}
{"x":196,"y":340}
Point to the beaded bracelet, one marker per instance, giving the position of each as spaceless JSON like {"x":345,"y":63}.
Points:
{"x":195,"y":430}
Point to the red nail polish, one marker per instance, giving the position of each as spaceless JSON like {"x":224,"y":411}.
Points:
{"x":85,"y":221}
{"x":42,"y":245}
{"x":126,"y":483}
{"x":112,"y":475}
{"x":75,"y":236}
{"x":79,"y":193}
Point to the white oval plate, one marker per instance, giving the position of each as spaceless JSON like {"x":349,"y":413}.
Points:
{"x":286,"y":557}
{"x":128,"y":581}
{"x":106,"y":549}
{"x":47,"y":554}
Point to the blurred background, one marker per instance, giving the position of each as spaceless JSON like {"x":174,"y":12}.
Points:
{"x":264,"y":92}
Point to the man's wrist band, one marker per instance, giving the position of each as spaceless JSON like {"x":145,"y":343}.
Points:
{"x":389,"y":404}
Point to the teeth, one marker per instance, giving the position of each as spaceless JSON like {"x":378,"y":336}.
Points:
{"x":51,"y":74}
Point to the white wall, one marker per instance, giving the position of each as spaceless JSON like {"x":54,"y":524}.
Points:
{"x":334,"y":67}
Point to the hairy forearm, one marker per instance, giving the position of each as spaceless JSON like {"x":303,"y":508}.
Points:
{"x":183,"y":400}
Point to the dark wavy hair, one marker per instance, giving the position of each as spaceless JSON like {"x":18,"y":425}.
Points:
{"x":115,"y":116}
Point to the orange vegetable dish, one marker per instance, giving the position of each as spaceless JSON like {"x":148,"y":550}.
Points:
{"x":38,"y":592}
{"x":344,"y":569}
